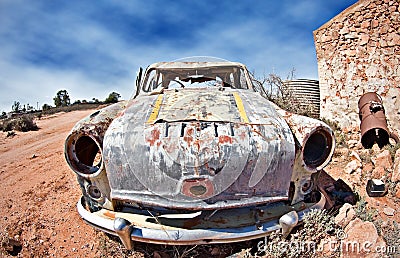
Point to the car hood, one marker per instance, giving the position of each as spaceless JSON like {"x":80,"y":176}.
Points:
{"x":199,"y":149}
{"x":199,"y":105}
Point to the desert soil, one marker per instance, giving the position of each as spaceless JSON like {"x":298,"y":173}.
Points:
{"x":39,"y":192}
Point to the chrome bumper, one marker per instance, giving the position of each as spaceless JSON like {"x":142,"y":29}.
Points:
{"x":133,"y":227}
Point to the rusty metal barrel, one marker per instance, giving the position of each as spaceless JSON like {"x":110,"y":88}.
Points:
{"x":373,"y":120}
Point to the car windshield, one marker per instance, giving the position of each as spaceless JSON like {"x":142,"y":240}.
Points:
{"x":205,"y":76}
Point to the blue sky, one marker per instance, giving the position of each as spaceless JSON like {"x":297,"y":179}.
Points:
{"x":91,"y":48}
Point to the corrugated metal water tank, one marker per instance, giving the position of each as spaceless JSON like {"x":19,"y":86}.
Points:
{"x":307,"y":93}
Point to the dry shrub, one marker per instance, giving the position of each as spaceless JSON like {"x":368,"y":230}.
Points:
{"x":302,"y":242}
{"x":277,"y":90}
{"x":392,"y":149}
{"x":22,"y":123}
{"x":390,"y":231}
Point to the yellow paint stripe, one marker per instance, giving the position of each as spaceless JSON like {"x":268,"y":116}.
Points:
{"x":156,"y":110}
{"x":239,"y":104}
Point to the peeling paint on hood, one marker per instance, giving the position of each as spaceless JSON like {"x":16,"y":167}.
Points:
{"x":200,"y":105}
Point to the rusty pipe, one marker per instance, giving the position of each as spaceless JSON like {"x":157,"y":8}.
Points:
{"x":373,"y":120}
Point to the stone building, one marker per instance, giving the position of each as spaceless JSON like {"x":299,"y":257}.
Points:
{"x":358,"y":51}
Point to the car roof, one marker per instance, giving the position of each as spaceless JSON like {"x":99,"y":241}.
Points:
{"x":188,"y":65}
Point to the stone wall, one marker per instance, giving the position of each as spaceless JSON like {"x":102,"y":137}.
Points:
{"x":358,"y":51}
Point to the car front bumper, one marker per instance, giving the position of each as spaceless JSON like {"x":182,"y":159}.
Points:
{"x":134,"y":227}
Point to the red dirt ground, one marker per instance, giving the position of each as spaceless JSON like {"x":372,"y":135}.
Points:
{"x":39,"y":192}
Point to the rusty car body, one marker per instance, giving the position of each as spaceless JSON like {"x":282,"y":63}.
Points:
{"x":197,"y":156}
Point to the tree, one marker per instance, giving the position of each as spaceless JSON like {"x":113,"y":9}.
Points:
{"x":77,"y":102}
{"x":46,"y":107}
{"x":62,"y":99}
{"x":112,"y":98}
{"x":29,"y":107}
{"x":16,"y":107}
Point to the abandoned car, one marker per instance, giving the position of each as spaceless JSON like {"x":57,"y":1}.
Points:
{"x":197,"y":156}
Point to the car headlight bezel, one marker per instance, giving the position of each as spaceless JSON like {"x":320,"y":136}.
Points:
{"x":83,"y":153}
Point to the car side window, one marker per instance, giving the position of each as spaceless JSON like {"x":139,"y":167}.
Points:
{"x":150,"y":81}
{"x":238,"y":79}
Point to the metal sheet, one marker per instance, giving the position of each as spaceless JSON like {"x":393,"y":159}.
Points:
{"x":196,"y":158}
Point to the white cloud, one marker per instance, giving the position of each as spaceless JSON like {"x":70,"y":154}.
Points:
{"x":28,"y":84}
{"x":94,"y":49}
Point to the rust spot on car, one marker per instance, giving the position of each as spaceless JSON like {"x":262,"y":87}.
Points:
{"x":192,"y":223}
{"x":197,"y":144}
{"x":188,"y":139}
{"x":220,"y":221}
{"x":242,"y":136}
{"x":198,"y":188}
{"x":109,"y":214}
{"x":223,"y":139}
{"x":190,"y":131}
{"x":155,"y":136}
